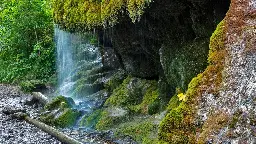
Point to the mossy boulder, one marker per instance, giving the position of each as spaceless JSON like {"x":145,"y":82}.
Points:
{"x":135,"y":94}
{"x":60,"y":102}
{"x":59,"y":112}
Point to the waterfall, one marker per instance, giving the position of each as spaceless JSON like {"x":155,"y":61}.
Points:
{"x":77,"y":61}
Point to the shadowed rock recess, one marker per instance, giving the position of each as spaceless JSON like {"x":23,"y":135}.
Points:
{"x":171,"y":75}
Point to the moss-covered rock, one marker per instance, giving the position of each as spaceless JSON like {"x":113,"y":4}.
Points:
{"x":59,"y":112}
{"x":135,"y":94}
{"x":134,"y":99}
{"x":115,"y":80}
{"x":67,"y":118}
{"x":111,"y":117}
{"x":183,"y":63}
{"x":179,"y":125}
{"x":60,"y":102}
{"x":144,"y":132}
{"x":92,"y":119}
{"x":88,"y":14}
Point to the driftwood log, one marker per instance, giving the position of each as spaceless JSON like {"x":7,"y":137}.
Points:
{"x":46,"y":128}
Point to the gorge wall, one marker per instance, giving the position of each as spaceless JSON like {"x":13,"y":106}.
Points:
{"x":220,"y":104}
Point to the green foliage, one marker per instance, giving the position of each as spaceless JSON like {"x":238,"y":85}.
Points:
{"x":85,"y":14}
{"x":26,"y":41}
{"x":29,"y":86}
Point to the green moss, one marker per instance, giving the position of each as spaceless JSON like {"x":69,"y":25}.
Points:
{"x":59,"y":102}
{"x":80,"y":14}
{"x":217,"y":42}
{"x":154,"y":107}
{"x":47,"y":118}
{"x":120,"y":94}
{"x":142,"y":132}
{"x":136,"y":95}
{"x":92,"y":119}
{"x":150,"y":103}
{"x":67,"y":118}
{"x":173,"y":103}
{"x":107,"y":121}
{"x":29,"y":86}
{"x":178,"y":126}
{"x":61,"y":112}
{"x":115,"y":81}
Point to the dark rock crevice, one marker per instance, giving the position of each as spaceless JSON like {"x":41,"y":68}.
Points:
{"x":175,"y":28}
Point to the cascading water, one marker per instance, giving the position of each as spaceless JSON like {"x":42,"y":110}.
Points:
{"x":78,"y":65}
{"x":81,"y":76}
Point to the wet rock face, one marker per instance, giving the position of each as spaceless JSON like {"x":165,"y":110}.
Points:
{"x":110,"y":59}
{"x":235,"y":98}
{"x":168,"y":25}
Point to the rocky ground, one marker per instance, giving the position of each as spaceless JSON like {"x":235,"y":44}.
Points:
{"x":14,"y":131}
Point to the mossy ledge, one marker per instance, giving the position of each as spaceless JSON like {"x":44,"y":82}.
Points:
{"x":179,"y":124}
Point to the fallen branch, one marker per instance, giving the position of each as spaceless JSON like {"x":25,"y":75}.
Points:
{"x":40,"y":97}
{"x":48,"y":129}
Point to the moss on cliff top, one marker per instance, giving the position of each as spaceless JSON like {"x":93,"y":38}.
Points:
{"x":85,"y":14}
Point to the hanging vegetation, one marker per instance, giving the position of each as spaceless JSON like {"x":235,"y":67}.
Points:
{"x":85,"y":14}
